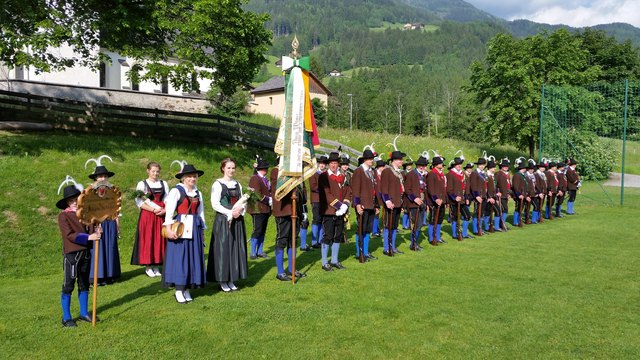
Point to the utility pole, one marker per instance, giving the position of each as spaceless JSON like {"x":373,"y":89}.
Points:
{"x":350,"y":111}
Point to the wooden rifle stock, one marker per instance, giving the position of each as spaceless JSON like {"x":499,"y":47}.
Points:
{"x":479,"y":216}
{"x":541,"y":208}
{"x":389,"y":235}
{"x":360,"y":239}
{"x":458,"y":225}
{"x":491,"y":215}
{"x":435,"y":223}
{"x":520,"y":207}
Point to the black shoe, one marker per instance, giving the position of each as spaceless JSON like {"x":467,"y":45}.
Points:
{"x":69,"y":323}
{"x":316,"y":246}
{"x":327,"y":267}
{"x":87,"y":318}
{"x":307,"y":249}
{"x":338,"y":265}
{"x":371,"y":257}
{"x":376,"y":235}
{"x":298,"y":274}
{"x":497,"y":230}
{"x":264,"y":256}
{"x":253,"y":257}
{"x":396,"y":251}
{"x":442,"y":241}
{"x":283,"y":277}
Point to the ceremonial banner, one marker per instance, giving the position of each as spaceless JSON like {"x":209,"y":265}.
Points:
{"x":297,"y":135}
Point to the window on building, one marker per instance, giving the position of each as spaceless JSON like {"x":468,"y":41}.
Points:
{"x":270,"y":100}
{"x":103,"y":75}
{"x":195,"y":85}
{"x":165,"y":86}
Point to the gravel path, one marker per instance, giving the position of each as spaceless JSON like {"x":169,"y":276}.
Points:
{"x":629,"y":180}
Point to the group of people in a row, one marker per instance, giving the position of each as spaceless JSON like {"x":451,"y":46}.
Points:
{"x":170,"y":230}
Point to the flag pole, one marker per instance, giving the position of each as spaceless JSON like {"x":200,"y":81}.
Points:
{"x":294,"y":219}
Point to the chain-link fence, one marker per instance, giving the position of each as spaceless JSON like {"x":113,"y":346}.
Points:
{"x":599,"y":126}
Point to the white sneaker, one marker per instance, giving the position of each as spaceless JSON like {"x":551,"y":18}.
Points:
{"x":232,"y":286}
{"x":150,"y":272}
{"x":224,"y":286}
{"x":187,"y":296}
{"x":180,"y":297}
{"x":156,"y":271}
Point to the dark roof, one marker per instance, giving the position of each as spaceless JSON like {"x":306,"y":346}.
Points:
{"x":276,"y":84}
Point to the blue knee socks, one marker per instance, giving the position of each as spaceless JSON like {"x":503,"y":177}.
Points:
{"x":570,"y":207}
{"x":385,"y":241}
{"x":65,"y":301}
{"x":454,"y":229}
{"x":465,"y":228}
{"x":496,"y":222}
{"x":486,"y":223}
{"x":83,"y":300}
{"x":280,"y":260}
{"x":325,"y":251}
{"x":315,"y":232}
{"x":260,"y":245}
{"x":405,"y":221}
{"x":516,"y":218}
{"x":438,"y":232}
{"x":254,"y":246}
{"x":394,"y":233}
{"x":335,"y":249}
{"x":474,"y":225}
{"x":376,"y":225}
{"x":303,"y":238}
{"x":365,"y":245}
{"x":535,"y":216}
{"x":289,"y":259}
{"x":430,"y":232}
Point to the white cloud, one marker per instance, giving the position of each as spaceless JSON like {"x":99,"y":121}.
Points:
{"x":570,"y":12}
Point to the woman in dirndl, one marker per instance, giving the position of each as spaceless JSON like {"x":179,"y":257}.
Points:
{"x":108,"y":254}
{"x":228,"y":251}
{"x":184,"y":254}
{"x":148,"y":247}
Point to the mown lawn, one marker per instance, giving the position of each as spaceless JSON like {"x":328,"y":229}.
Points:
{"x":567,"y":288}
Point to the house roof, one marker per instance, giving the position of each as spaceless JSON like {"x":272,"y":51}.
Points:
{"x":276,"y":84}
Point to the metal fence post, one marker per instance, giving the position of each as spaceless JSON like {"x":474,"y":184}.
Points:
{"x":541,"y":117}
{"x":624,"y":138}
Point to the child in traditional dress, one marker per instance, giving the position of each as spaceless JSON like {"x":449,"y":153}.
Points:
{"x":76,"y":245}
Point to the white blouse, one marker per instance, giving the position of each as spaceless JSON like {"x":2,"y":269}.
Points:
{"x":171,"y":203}
{"x":216,"y":194}
{"x":152,"y":185}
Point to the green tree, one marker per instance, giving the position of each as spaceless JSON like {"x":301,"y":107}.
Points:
{"x":319,"y":111}
{"x":202,"y":34}
{"x":509,"y":81}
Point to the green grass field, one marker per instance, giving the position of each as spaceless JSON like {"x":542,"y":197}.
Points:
{"x":563,"y":289}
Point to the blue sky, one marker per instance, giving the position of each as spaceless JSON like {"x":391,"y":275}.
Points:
{"x":570,"y":12}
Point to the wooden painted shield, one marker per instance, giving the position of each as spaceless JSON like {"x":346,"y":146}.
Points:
{"x":99,"y":203}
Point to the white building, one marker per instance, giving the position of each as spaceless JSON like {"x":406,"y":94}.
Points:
{"x":109,"y":76}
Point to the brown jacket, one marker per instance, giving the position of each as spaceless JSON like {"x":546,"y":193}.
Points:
{"x":572,"y":179}
{"x":552,"y":181}
{"x":519,"y":184}
{"x":258,"y":185}
{"x":491,"y":186}
{"x":503,"y":184}
{"x":456,"y":186}
{"x":562,"y":181}
{"x":531,"y":186}
{"x":333,"y":193}
{"x":74,"y":235}
{"x":363,"y":188}
{"x":541,"y":183}
{"x":415,"y":186}
{"x":391,"y":187}
{"x":280,"y":207}
{"x":477,"y":185}
{"x":313,"y":187}
{"x":436,"y":186}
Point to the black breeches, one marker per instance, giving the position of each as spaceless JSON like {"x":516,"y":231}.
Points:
{"x":505,"y":205}
{"x":259,"y":225}
{"x":559,"y":200}
{"x":367,"y":220}
{"x":465,"y":213}
{"x":315,"y":209}
{"x":437,"y":209}
{"x":536,"y":203}
{"x":333,"y":227}
{"x":76,"y":265}
{"x":391,"y":218}
{"x":479,"y":209}
{"x":283,"y":229}
{"x":416,"y":215}
{"x":572,"y":195}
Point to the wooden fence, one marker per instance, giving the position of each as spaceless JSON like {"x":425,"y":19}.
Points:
{"x":74,"y":115}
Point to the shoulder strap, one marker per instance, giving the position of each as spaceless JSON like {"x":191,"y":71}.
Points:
{"x":146,"y":184}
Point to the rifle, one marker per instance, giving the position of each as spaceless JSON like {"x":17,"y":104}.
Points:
{"x":389,"y":223}
{"x":503,"y":226}
{"x":414,"y":240}
{"x":491,"y":215}
{"x":521,"y":222}
{"x":527,"y":211}
{"x":458,"y":225}
{"x":479,"y":216}
{"x":360,"y":239}
{"x":434,"y":242}
{"x":541,"y":208}
{"x":550,"y":201}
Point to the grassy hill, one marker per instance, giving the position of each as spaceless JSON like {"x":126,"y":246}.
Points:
{"x":563,"y":289}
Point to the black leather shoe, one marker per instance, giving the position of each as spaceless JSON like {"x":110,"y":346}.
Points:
{"x":307,"y":249}
{"x":298,"y":274}
{"x":338,"y":265}
{"x":327,"y":267}
{"x":264,"y":256}
{"x":253,"y":257}
{"x":441,"y":241}
{"x":69,"y":323}
{"x":87,"y":318}
{"x":385,"y":252}
{"x":283,"y":277}
{"x":371,"y":257}
{"x":316,"y":246}
{"x":396,"y":251}
{"x":469,"y":237}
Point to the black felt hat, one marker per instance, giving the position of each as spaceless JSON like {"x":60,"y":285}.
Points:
{"x":189,"y":169}
{"x":552,"y":164}
{"x":457,"y":161}
{"x":367,"y":154}
{"x":323,"y":159}
{"x":572,"y":162}
{"x":344,"y":161}
{"x":397,"y":155}
{"x":100,"y":170}
{"x":505,"y":163}
{"x":262,"y":164}
{"x":70,"y":192}
{"x":529,"y":165}
{"x":468,"y":166}
{"x":491,"y":164}
{"x":437,"y":161}
{"x":481,"y":161}
{"x":422,"y":161}
{"x":561,"y":165}
{"x":380,"y":163}
{"x":334,"y":156}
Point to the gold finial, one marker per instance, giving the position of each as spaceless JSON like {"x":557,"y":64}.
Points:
{"x":294,"y":45}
